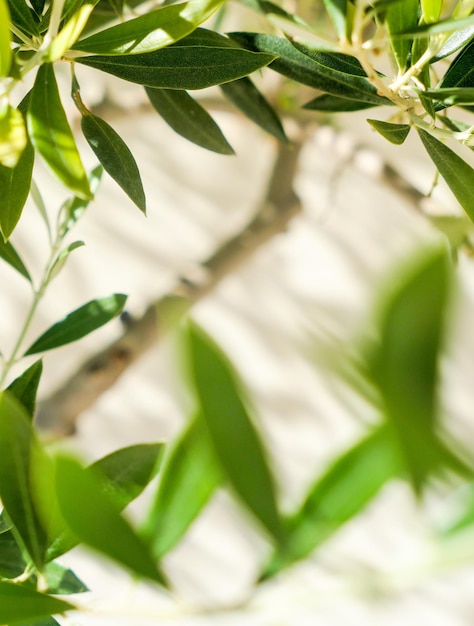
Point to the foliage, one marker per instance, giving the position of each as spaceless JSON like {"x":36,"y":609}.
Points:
{"x":51,"y":502}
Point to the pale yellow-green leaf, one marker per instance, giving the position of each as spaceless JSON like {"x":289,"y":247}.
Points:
{"x":5,"y":39}
{"x":68,"y":36}
{"x":12,"y":136}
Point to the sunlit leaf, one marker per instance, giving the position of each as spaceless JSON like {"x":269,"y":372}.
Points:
{"x":18,"y":446}
{"x":70,"y":33}
{"x":189,"y":476}
{"x":195,"y":62}
{"x":458,"y":39}
{"x":149,"y":32}
{"x":344,"y":489}
{"x":233,"y":436}
{"x":75,"y":208}
{"x":189,"y":119}
{"x":61,"y":580}
{"x":246,"y":97}
{"x":395,"y":133}
{"x":20,"y":603}
{"x":79,"y":323}
{"x":431,"y":10}
{"x":52,"y":135}
{"x":96,"y":521}
{"x":25,"y":387}
{"x":10,"y":256}
{"x":62,"y":258}
{"x":337,"y":10}
{"x":13,"y":138}
{"x":5,"y":39}
{"x":318,"y":70}
{"x":456,"y":172}
{"x":115,"y":157}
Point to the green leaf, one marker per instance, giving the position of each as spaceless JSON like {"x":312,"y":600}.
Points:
{"x":443,"y":26}
{"x":395,"y":133}
{"x":451,"y":95}
{"x":336,"y":104}
{"x":456,"y":172}
{"x":457,"y":40}
{"x":25,"y":387}
{"x":12,"y":562}
{"x":234,"y":438}
{"x":431,"y":10}
{"x":20,"y":603}
{"x":19,"y":450}
{"x":246,"y":97}
{"x":461,"y":71}
{"x":71,"y":32}
{"x":404,"y":363}
{"x":62,"y":257}
{"x":337,"y":11}
{"x":115,"y":156}
{"x":75,"y":208}
{"x":47,"y":621}
{"x":13,"y":137}
{"x":62,"y":581}
{"x":151,"y":31}
{"x":189,"y":119}
{"x":10,"y":256}
{"x":400,"y":17}
{"x":22,"y":17}
{"x":189,"y":476}
{"x":198,"y":61}
{"x":5,"y":39}
{"x":122,"y":476}
{"x":96,"y":521}
{"x":79,"y":323}
{"x":316,"y":69}
{"x":51,"y":134}
{"x":343,"y":491}
{"x":15,"y":184}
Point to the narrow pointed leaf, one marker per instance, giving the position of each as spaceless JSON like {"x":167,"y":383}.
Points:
{"x":205,"y":62}
{"x":96,"y":521}
{"x":22,"y":17}
{"x":61,"y":580}
{"x":457,"y":40}
{"x":122,"y":476}
{"x":5,"y":39}
{"x":76,"y":207}
{"x":246,"y":97}
{"x":13,"y":137}
{"x":451,"y":95}
{"x":461,"y":71}
{"x":456,"y":172}
{"x":79,"y":323}
{"x":189,"y":476}
{"x":25,"y":387}
{"x":337,"y":10}
{"x":400,"y":17}
{"x":343,"y":491}
{"x":10,"y":256}
{"x":323,"y":71}
{"x":115,"y":157}
{"x":18,"y":447}
{"x":233,"y":436}
{"x":51,"y":134}
{"x":404,"y":364}
{"x":189,"y":119}
{"x":12,"y":562}
{"x":395,"y":133}
{"x":152,"y":31}
{"x":431,"y":10}
{"x":70,"y":33}
{"x":18,"y":604}
{"x":336,"y":104}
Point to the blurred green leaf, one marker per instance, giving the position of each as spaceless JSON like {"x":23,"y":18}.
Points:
{"x":115,"y":156}
{"x":401,"y":16}
{"x":456,"y":172}
{"x":343,"y":491}
{"x":19,"y":603}
{"x":395,"y":133}
{"x":79,"y":323}
{"x":316,"y":69}
{"x":337,"y":11}
{"x":460,"y":73}
{"x":431,"y":10}
{"x":233,"y":436}
{"x":25,"y":387}
{"x":188,"y":478}
{"x":122,"y":476}
{"x":12,"y":561}
{"x":62,"y":257}
{"x":443,"y":26}
{"x":22,"y":17}
{"x":200,"y":60}
{"x":70,"y":32}
{"x":189,"y":119}
{"x":51,"y":134}
{"x":404,"y":363}
{"x":5,"y":39}
{"x":457,"y":40}
{"x":47,"y":621}
{"x":451,"y":95}
{"x":62,"y":581}
{"x":95,"y":519}
{"x":246,"y":97}
{"x":75,"y":208}
{"x":151,"y":31}
{"x":10,"y":256}
{"x":19,"y":449}
{"x":336,"y":104}
{"x":13,"y":137}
